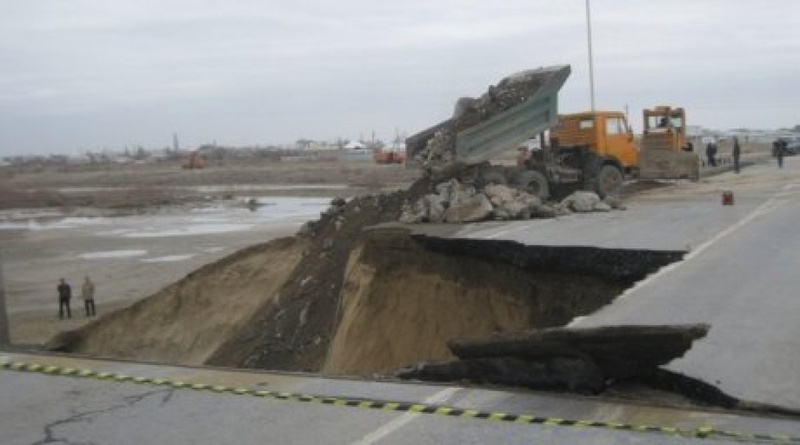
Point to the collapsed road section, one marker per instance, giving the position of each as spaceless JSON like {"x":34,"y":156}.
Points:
{"x":392,"y":299}
{"x":399,"y":299}
{"x":405,"y":296}
{"x":351,"y":296}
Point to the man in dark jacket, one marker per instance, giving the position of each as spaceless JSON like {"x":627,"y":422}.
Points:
{"x":64,"y":295}
{"x":711,"y":153}
{"x":778,"y":150}
{"x":737,"y":152}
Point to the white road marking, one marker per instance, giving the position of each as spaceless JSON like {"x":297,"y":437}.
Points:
{"x":761,"y":210}
{"x":388,"y":428}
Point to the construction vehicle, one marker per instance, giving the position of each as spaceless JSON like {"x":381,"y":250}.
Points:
{"x":388,"y":157}
{"x":593,"y":150}
{"x":194,"y":161}
{"x":665,"y":149}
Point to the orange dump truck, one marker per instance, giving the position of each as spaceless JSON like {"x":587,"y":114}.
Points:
{"x":593,"y":150}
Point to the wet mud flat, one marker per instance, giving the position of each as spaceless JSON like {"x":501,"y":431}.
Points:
{"x":128,"y":257}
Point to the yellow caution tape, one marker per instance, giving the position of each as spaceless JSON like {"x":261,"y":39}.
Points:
{"x":419,"y":408}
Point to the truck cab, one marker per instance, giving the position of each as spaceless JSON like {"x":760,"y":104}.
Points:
{"x":606,"y":134}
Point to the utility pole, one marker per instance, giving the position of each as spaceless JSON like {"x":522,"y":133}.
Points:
{"x":5,"y":337}
{"x":591,"y":62}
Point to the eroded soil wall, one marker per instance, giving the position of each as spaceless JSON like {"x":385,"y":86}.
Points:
{"x":403,"y":297}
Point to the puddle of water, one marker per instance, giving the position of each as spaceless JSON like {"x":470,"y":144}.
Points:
{"x":112,"y":254}
{"x":49,"y":222}
{"x":215,"y":218}
{"x":255,"y":188}
{"x":274,"y":208}
{"x":212,"y":249}
{"x":167,"y":258}
{"x":189,"y":230}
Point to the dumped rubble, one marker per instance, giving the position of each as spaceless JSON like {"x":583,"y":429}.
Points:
{"x":562,"y":358}
{"x":457,"y":202}
{"x":435,"y":147}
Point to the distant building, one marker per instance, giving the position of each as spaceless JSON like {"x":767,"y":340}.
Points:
{"x":355,"y":145}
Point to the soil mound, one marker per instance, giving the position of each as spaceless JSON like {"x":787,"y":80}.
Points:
{"x":188,"y":321}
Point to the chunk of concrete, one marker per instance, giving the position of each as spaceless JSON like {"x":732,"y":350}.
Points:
{"x":581,"y":201}
{"x":619,"y":351}
{"x":469,"y":209}
{"x":561,"y":358}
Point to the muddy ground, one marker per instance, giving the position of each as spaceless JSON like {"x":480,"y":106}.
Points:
{"x":140,"y":186}
{"x":33,"y":260}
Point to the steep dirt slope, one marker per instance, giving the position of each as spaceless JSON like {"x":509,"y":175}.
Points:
{"x":401,"y":302}
{"x":187,"y":321}
{"x":297,"y":335}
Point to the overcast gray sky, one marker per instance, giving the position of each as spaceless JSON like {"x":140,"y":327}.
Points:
{"x":92,"y":74}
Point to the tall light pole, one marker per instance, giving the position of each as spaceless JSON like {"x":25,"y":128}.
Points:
{"x":591,"y":63}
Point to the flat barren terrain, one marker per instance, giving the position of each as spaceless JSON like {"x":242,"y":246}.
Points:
{"x":137,"y":228}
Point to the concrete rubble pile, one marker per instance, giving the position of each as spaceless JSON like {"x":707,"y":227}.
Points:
{"x":457,"y":202}
{"x":439,"y":151}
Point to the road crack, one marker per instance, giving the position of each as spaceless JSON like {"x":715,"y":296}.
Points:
{"x":50,"y":434}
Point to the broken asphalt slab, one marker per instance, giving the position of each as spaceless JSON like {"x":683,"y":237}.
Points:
{"x":562,"y":358}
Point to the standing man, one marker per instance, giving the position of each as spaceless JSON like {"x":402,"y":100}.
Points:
{"x":64,"y":295}
{"x":87,"y":293}
{"x":711,"y":153}
{"x":737,"y":151}
{"x":778,"y":147}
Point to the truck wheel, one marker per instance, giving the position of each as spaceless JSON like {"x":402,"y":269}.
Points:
{"x":534,"y":183}
{"x":609,"y":181}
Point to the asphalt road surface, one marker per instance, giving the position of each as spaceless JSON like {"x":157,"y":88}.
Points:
{"x":41,"y":408}
{"x":744,"y":283}
{"x":740,"y":275}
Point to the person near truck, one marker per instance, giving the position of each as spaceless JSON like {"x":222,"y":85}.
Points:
{"x":64,"y":295}
{"x":737,"y":152}
{"x":87,"y":294}
{"x":711,"y":152}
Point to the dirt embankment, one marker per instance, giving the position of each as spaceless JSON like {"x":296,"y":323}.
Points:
{"x":341,"y":300}
{"x":302,"y":279}
{"x":187,"y":321}
{"x":296,"y":335}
